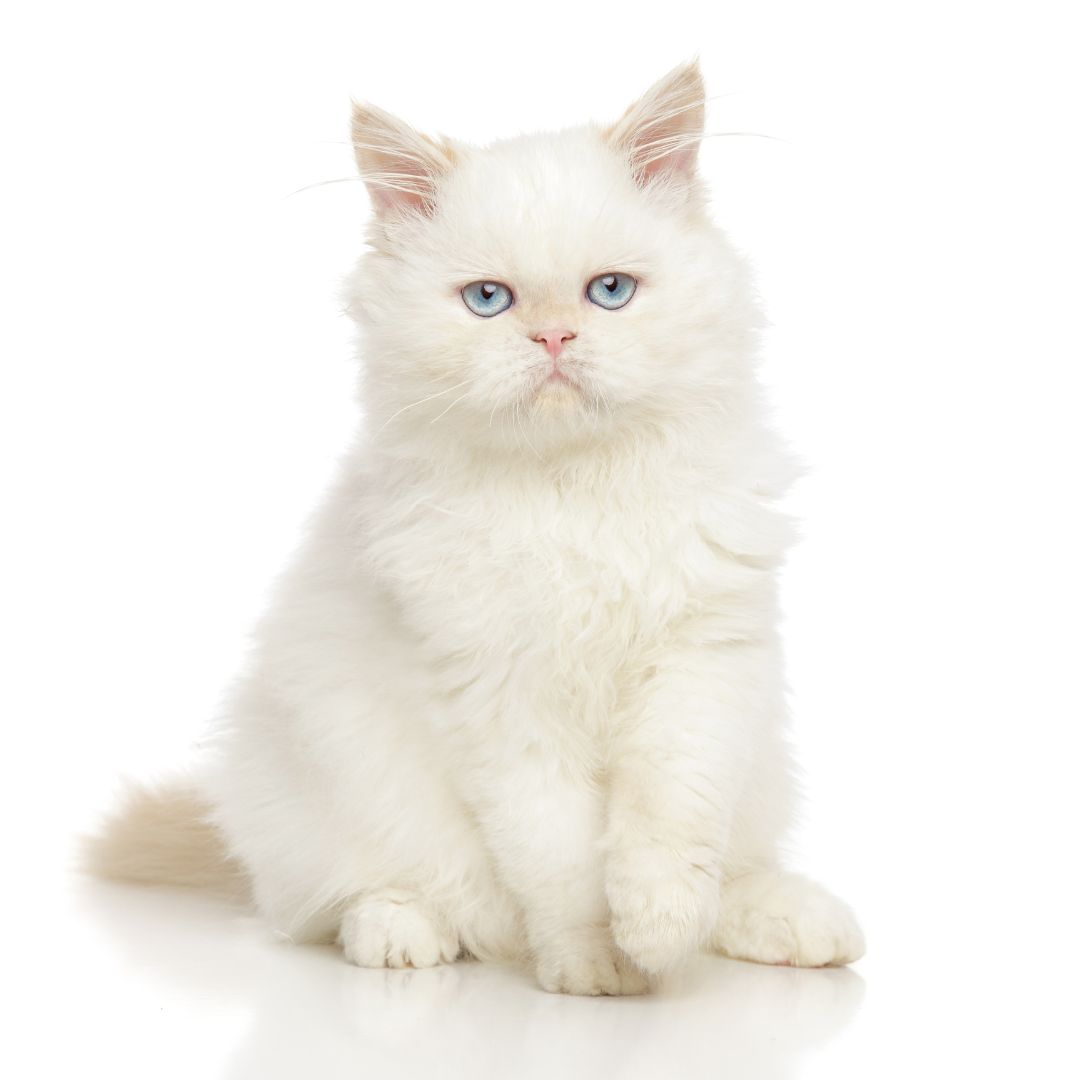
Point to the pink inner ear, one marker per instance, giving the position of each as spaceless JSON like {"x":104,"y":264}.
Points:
{"x":680,"y":161}
{"x":388,"y":200}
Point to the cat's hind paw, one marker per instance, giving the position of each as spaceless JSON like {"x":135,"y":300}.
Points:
{"x":779,"y":918}
{"x":393,"y":928}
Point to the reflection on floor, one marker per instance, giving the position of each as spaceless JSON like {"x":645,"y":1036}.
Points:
{"x":313,"y":1015}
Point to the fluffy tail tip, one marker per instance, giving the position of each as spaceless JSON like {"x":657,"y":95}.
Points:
{"x":162,"y":835}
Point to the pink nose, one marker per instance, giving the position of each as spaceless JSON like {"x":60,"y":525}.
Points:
{"x":554,"y":340}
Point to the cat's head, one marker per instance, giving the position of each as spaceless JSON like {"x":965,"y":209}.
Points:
{"x":549,"y":289}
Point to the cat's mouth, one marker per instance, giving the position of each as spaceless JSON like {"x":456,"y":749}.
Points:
{"x":559,"y":390}
{"x":555,"y":380}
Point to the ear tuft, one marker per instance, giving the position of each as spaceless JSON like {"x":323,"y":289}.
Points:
{"x":400,"y":166}
{"x":660,"y":133}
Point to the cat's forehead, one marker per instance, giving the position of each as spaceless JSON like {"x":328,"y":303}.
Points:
{"x":544,"y":205}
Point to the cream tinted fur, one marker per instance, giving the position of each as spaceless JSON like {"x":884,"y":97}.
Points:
{"x":519,"y":694}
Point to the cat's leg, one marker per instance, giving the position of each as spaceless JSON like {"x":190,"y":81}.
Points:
{"x":462,"y":910}
{"x":541,"y":813}
{"x":416,"y":892}
{"x":350,"y":828}
{"x":776,"y":917}
{"x":679,"y":762}
{"x":546,"y":836}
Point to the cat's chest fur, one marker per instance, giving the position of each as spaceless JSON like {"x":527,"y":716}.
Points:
{"x":562,"y":588}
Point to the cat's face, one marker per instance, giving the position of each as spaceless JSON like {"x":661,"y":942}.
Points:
{"x":547,"y":289}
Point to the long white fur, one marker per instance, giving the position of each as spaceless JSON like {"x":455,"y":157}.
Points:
{"x":519,"y":695}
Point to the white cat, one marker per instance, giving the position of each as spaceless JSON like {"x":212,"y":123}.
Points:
{"x":519,"y":697}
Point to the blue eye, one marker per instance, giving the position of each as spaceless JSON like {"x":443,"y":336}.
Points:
{"x":487,"y":298}
{"x":611,"y":291}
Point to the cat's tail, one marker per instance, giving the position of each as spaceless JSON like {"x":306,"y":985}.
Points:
{"x":163,"y":834}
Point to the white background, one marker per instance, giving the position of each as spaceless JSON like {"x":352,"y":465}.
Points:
{"x":177,"y":381}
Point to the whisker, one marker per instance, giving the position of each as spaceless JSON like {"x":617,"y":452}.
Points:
{"x":529,"y":441}
{"x":450,"y":406}
{"x":323,"y":183}
{"x":430,"y":397}
{"x":394,"y":181}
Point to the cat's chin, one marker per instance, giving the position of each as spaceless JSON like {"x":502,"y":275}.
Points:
{"x":560,"y":415}
{"x":549,"y":418}
{"x":557,"y":395}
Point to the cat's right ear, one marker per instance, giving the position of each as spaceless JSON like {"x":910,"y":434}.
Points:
{"x":400,"y":166}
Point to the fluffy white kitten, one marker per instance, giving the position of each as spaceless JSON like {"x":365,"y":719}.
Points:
{"x":519,"y":696}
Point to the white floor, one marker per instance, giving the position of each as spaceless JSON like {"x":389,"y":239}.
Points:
{"x":162,"y":984}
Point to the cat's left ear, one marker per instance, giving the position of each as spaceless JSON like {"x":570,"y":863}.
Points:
{"x":401,"y":167}
{"x":660,"y":133}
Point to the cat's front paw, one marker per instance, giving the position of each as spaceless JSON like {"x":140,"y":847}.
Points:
{"x":778,"y":918}
{"x":586,"y":962}
{"x":663,"y":906}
